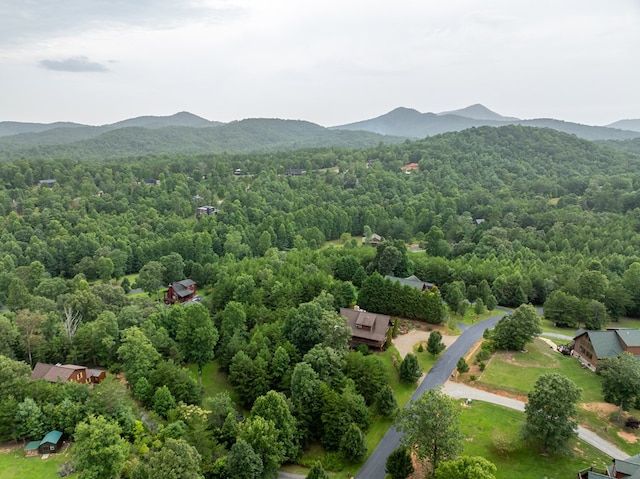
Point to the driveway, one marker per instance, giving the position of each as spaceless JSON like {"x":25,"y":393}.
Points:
{"x":404,"y":342}
{"x":460,"y":391}
{"x":374,"y":468}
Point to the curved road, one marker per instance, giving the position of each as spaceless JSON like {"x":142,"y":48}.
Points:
{"x":458,"y":391}
{"x":439,"y":374}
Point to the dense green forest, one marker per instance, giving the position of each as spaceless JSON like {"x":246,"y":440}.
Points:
{"x":507,"y":215}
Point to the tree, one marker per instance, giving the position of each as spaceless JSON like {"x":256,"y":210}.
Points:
{"x":137,"y":354}
{"x":466,"y":467}
{"x":196,"y":336}
{"x":462,"y":366}
{"x":317,"y":472}
{"x":273,"y":407}
{"x":353,"y":444}
{"x":177,"y":459}
{"x":243,"y":462}
{"x":163,"y":401}
{"x":514,"y":331}
{"x":28,"y":323}
{"x":434,"y":344}
{"x":620,"y":380}
{"x":14,"y":377}
{"x":385,"y":401}
{"x":99,"y":451}
{"x":262,"y":435}
{"x":551,"y":412}
{"x":399,"y":464}
{"x":431,"y":426}
{"x":105,"y":268}
{"x":410,"y":370}
{"x":173,"y":265}
{"x":151,"y":278}
{"x":30,"y":422}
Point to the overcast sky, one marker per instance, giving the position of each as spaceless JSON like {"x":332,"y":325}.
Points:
{"x":326,"y":61}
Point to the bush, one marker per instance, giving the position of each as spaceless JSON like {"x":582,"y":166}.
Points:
{"x":420,"y":348}
{"x":473,"y":377}
{"x":410,"y":370}
{"x":482,"y":366}
{"x":503,"y":444}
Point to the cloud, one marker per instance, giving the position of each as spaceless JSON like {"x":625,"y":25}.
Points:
{"x":30,"y":21}
{"x":75,"y":64}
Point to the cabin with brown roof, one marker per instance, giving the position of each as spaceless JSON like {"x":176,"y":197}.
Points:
{"x":180,"y":292}
{"x":60,"y":373}
{"x":367,"y":328}
{"x":591,"y":346}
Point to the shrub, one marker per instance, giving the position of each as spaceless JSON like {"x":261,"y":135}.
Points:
{"x":482,"y":366}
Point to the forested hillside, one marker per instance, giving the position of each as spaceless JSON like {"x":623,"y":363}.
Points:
{"x":510,"y":214}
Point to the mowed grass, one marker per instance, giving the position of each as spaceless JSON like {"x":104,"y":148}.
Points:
{"x":517,"y":372}
{"x":14,"y":465}
{"x":482,"y":422}
{"x":214,"y":381}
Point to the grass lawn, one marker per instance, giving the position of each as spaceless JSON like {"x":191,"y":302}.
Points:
{"x":471,"y":318}
{"x":521,"y":370}
{"x":480,"y":423}
{"x":213,"y":381}
{"x":14,"y":465}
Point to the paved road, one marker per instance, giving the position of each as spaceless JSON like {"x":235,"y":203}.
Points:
{"x":458,"y":390}
{"x":557,"y":336}
{"x":439,"y":374}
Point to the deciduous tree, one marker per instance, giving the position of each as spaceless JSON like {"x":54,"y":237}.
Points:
{"x":514,"y":331}
{"x":551,"y":412}
{"x":466,"y":467}
{"x":99,"y":450}
{"x":620,"y":380}
{"x":431,"y":427}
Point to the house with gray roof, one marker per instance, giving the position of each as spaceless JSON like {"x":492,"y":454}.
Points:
{"x":591,"y":346}
{"x":412,"y":281}
{"x":367,"y":328}
{"x":628,"y":468}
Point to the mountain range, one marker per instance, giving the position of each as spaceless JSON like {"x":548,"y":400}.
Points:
{"x":190,"y":134}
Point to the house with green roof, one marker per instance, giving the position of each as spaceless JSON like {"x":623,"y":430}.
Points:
{"x":49,"y":444}
{"x":591,"y":346}
{"x":628,"y":468}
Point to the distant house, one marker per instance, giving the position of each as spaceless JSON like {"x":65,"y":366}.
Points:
{"x":374,"y":241}
{"x":151,"y":181}
{"x":367,"y":328}
{"x":409,"y":168}
{"x":592,"y":346}
{"x":47,"y":183}
{"x":412,"y":281}
{"x":50,"y":444}
{"x":96,"y":376}
{"x":237,"y":172}
{"x":621,"y":468}
{"x":294,"y":172}
{"x":180,"y":292}
{"x":60,"y":373}
{"x":478,"y":221}
{"x":206,"y":211}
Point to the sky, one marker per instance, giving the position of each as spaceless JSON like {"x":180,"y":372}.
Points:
{"x":330,"y":62}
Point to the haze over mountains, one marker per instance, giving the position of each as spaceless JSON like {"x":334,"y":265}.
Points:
{"x":188,"y":133}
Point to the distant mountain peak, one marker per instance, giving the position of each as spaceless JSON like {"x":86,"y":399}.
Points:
{"x":478,"y":111}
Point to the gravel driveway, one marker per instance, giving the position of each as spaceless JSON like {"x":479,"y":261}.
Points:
{"x":404,"y":342}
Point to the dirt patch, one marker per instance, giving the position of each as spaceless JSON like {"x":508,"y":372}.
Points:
{"x":628,"y":437}
{"x":404,"y":343}
{"x":602,"y":409}
{"x":6,"y":447}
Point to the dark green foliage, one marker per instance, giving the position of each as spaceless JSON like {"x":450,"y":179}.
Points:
{"x":434,"y":344}
{"x":462,"y":366}
{"x":353,"y":444}
{"x":163,"y":401}
{"x":410,"y":370}
{"x":317,"y":472}
{"x":431,"y":426}
{"x":551,"y":412}
{"x":620,"y":380}
{"x":399,"y":464}
{"x":243,"y":462}
{"x":385,"y":401}
{"x":514,"y":331}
